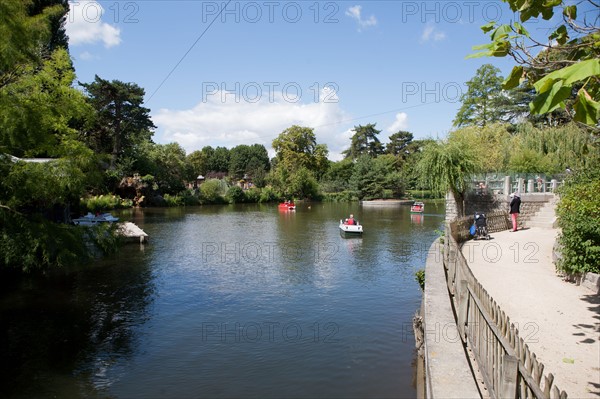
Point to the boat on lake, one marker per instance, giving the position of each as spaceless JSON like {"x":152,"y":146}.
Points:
{"x":91,"y":220}
{"x":417,"y":207}
{"x":287,"y":206}
{"x":351,"y":229}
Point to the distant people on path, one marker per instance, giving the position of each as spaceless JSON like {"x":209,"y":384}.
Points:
{"x":515,"y":209}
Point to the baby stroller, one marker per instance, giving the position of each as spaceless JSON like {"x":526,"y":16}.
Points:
{"x":481,"y":230}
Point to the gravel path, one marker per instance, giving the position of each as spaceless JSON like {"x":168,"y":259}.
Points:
{"x":558,"y":320}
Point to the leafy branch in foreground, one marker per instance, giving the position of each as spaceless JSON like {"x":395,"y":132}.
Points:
{"x":564,"y":68}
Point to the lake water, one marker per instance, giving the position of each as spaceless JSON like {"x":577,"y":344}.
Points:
{"x":237,"y":301}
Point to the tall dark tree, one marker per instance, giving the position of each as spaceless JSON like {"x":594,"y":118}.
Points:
{"x":364,"y":142}
{"x":482,"y":102}
{"x":245,"y":159}
{"x":220,"y":160}
{"x":398,"y":143}
{"x":58,"y":36}
{"x":121,"y":121}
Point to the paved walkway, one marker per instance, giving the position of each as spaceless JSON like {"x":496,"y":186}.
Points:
{"x":558,"y":320}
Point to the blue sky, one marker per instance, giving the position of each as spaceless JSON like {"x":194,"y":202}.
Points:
{"x":263,"y":66}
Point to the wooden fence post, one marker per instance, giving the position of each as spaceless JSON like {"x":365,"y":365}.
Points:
{"x":508,"y":382}
{"x":463,"y":307}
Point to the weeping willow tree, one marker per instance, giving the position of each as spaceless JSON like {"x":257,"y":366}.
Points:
{"x":448,"y":166}
{"x":554,"y":148}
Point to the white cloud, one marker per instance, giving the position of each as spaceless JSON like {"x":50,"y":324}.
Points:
{"x":221,"y":121}
{"x":84,"y":25}
{"x":354,"y":13}
{"x":87,"y":56}
{"x":400,"y":123}
{"x":430,"y":32}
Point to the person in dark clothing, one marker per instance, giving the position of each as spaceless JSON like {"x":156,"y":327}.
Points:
{"x":515,"y":208}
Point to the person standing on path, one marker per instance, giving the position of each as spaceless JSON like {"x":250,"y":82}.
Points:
{"x":515,"y":208}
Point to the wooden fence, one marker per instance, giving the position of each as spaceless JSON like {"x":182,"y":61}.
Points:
{"x":508,"y":367}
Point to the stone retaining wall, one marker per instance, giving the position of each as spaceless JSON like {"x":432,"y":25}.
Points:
{"x":493,"y":203}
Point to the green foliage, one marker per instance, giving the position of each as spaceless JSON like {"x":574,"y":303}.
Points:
{"x":579,"y":219}
{"x":213,"y":191}
{"x":173,"y":200}
{"x":24,"y":35}
{"x":184,"y":198}
{"x":448,"y":167}
{"x":120,"y":122}
{"x":565,"y":73}
{"x":527,"y":160}
{"x":38,"y":186}
{"x":377,"y":177}
{"x":35,"y":243}
{"x":99,"y":203}
{"x":338,"y":175}
{"x":423,"y":194}
{"x":268,"y":194}
{"x":303,"y":184}
{"x":482,"y":102}
{"x":248,"y":160}
{"x":166,"y":163}
{"x":399,"y":143}
{"x":103,"y":237}
{"x":296,"y":148}
{"x":420,"y":277}
{"x":491,"y":145}
{"x":342,"y":196}
{"x":299,"y":161}
{"x":551,"y":150}
{"x":253,"y":195}
{"x":38,"y":110}
{"x":195,"y":165}
{"x":236,"y":195}
{"x":366,"y":181}
{"x":364,"y":142}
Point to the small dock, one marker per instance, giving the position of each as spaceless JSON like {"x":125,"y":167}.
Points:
{"x":132,"y":233}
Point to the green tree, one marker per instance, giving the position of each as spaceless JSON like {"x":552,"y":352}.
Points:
{"x":295,"y":148}
{"x":321,"y":161}
{"x":40,"y":110}
{"x":448,"y":166}
{"x":399,"y":142}
{"x":303,"y":184}
{"x":491,"y":144}
{"x":252,"y":160}
{"x":298,"y":162}
{"x":483,"y":100}
{"x":338,"y":176}
{"x":563,"y":68}
{"x":57,"y":35}
{"x":213,"y":191}
{"x":208,"y":153}
{"x":364,"y":141}
{"x":166,"y":162}
{"x":219,"y":162}
{"x":195,"y":165}
{"x":23,"y":37}
{"x":367,"y":180}
{"x":120,"y":122}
